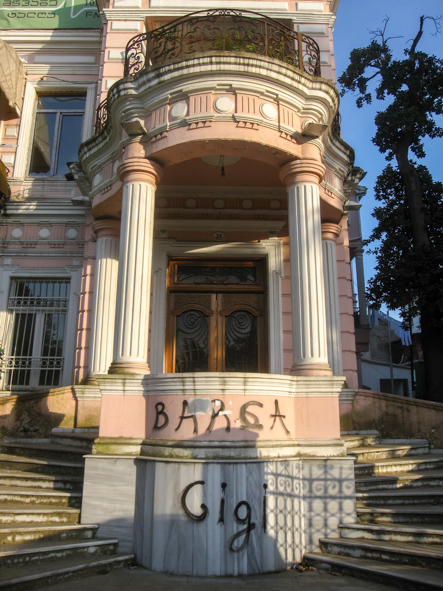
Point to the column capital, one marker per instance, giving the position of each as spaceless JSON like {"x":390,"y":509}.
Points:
{"x":330,"y":231}
{"x":106,"y":228}
{"x":306,"y":170}
{"x":140,"y":170}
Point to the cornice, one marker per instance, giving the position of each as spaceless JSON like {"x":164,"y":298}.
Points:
{"x":128,"y":98}
{"x":83,"y":70}
{"x":140,"y":14}
{"x":81,"y":40}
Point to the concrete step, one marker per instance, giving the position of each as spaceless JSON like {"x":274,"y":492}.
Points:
{"x":81,"y":438}
{"x":393,"y":533}
{"x":35,"y":576}
{"x":397,"y":552}
{"x":409,"y":578}
{"x":14,"y":478}
{"x":353,"y":439}
{"x":39,"y":466}
{"x":11,"y":513}
{"x":37,"y":552}
{"x":403,"y":448}
{"x":415,"y":479}
{"x":422,"y":496}
{"x":33,"y":496}
{"x":400,"y":465}
{"x":405,"y":514}
{"x":18,"y":533}
{"x":46,"y":450}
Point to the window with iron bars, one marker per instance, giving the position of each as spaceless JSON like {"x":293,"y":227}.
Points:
{"x":35,"y":335}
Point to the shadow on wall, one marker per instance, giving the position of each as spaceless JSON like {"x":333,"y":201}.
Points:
{"x":34,"y":414}
{"x":219,"y":516}
{"x":395,"y":417}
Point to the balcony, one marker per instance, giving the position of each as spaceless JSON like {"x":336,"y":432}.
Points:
{"x":220,"y":30}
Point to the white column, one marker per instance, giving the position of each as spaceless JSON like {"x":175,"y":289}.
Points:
{"x":361,"y":288}
{"x":302,"y":179}
{"x":139,"y":177}
{"x":330,"y":233}
{"x":105,"y":291}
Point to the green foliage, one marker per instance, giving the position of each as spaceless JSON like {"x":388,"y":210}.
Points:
{"x":238,"y":41}
{"x":407,"y":278}
{"x":409,"y":271}
{"x":413,"y":87}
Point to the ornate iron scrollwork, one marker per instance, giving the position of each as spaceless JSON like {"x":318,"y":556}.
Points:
{"x":218,"y":30}
{"x":101,"y":116}
{"x":223,"y":30}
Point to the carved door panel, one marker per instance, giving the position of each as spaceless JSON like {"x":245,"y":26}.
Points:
{"x":220,"y":329}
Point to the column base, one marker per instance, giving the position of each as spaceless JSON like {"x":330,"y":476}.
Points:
{"x":129,"y":367}
{"x":311,"y":369}
{"x":91,"y":380}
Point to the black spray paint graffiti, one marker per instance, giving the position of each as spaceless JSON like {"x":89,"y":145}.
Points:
{"x":245,"y":520}
{"x":247,"y":419}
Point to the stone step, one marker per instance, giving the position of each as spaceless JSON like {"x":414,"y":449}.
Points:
{"x":409,"y":578}
{"x":81,"y":438}
{"x":14,"y":478}
{"x":400,"y":465}
{"x":392,"y":450}
{"x":406,"y":514}
{"x":393,"y":533}
{"x":396,"y":552}
{"x":35,"y":576}
{"x":39,"y":466}
{"x":415,"y":479}
{"x":353,"y":439}
{"x":39,"y":497}
{"x":21,"y":514}
{"x":422,"y":496}
{"x":18,"y":533}
{"x":46,"y":450}
{"x":36,"y":552}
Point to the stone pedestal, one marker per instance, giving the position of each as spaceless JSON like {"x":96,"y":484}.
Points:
{"x":212,"y":474}
{"x":218,"y":518}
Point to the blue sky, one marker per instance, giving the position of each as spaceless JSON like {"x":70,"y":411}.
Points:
{"x":355,"y":20}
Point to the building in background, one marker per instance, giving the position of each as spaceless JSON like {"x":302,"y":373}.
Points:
{"x":176,"y":256}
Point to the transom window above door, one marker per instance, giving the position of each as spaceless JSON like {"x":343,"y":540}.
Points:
{"x":216,"y":316}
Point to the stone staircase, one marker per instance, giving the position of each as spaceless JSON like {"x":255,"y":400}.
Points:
{"x":398,"y":537}
{"x":41,"y":540}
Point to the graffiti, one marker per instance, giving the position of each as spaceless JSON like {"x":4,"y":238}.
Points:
{"x":241,"y":507}
{"x":247,"y":420}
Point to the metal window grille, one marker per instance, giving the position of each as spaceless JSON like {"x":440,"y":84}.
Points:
{"x":35,"y":334}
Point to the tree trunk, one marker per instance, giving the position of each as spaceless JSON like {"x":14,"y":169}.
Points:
{"x":414,"y":195}
{"x":431,"y":335}
{"x":432,"y":345}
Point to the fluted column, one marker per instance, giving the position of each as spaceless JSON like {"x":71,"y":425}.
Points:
{"x":330,"y":233}
{"x":361,"y":288}
{"x":302,"y":180}
{"x":140,"y":177}
{"x":105,"y":291}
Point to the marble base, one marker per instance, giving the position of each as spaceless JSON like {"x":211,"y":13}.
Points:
{"x":218,"y":517}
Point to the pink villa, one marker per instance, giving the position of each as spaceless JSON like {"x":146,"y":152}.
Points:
{"x":176,"y":269}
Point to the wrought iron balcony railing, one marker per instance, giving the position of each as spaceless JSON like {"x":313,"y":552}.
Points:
{"x":219,"y":30}
{"x":101,"y":115}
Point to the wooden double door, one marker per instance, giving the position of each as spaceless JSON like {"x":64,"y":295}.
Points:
{"x":216,"y":316}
